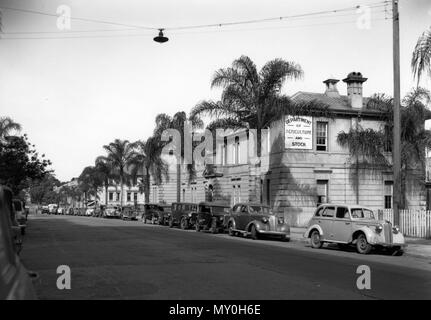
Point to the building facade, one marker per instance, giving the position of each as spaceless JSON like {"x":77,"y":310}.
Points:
{"x":302,"y":164}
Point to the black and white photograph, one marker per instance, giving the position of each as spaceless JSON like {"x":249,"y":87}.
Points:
{"x":215,"y":156}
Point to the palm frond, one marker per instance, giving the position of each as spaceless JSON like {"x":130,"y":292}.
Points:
{"x":421,"y":58}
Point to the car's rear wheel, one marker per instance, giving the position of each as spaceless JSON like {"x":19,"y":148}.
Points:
{"x":315,"y":239}
{"x":184,"y":223}
{"x":213,"y":228}
{"x":254,"y":233}
{"x":362,"y":245}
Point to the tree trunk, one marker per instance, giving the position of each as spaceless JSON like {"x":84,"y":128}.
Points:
{"x":357,"y":180}
{"x":106,"y":194}
{"x":147,"y":186}
{"x":179,"y":181}
{"x":121,"y":188}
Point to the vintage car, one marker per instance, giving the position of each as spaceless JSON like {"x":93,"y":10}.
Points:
{"x":183,"y":214}
{"x":153,"y":213}
{"x":15,"y":280}
{"x":129,"y":213}
{"x":112,"y":212}
{"x":256,"y":220}
{"x":211,"y":216}
{"x":353,"y":225}
{"x":164,"y":214}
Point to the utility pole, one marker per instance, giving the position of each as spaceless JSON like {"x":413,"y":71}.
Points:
{"x":396,"y":150}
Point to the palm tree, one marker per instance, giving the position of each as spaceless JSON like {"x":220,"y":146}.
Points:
{"x":106,"y":173}
{"x":120,"y":156}
{"x":178,"y":122}
{"x":368,"y":146}
{"x":421,"y":59}
{"x":90,"y":181}
{"x":149,"y":160}
{"x":252,"y":99}
{"x":6,"y":126}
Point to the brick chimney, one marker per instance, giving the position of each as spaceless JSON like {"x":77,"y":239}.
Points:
{"x":331,"y":88}
{"x":354,"y":82}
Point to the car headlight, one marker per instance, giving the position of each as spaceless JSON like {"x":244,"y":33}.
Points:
{"x":395,"y":229}
{"x":189,"y":215}
{"x":379,"y":228}
{"x":280,"y":220}
{"x":264,"y":219}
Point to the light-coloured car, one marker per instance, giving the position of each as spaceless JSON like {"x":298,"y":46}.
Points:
{"x":112,"y":212}
{"x":353,"y":225}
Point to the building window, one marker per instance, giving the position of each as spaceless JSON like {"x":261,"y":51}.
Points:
{"x":118,"y":196}
{"x":193,"y":194}
{"x":388,"y":193}
{"x":111,"y":196}
{"x":236,"y":151}
{"x":184,"y":195}
{"x":236,"y":193}
{"x":268,"y":192}
{"x":322,"y":191}
{"x":135,"y":197}
{"x":321,"y":136}
{"x":129,"y":197}
{"x":155,"y":194}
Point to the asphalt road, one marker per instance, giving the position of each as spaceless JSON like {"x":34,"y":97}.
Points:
{"x":113,"y":259}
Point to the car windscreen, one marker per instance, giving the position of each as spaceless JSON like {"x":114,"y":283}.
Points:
{"x":259,"y":210}
{"x":220,"y":210}
{"x":17,"y":205}
{"x":360,"y":213}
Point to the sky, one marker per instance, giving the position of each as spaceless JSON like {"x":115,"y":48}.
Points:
{"x":73,"y":95}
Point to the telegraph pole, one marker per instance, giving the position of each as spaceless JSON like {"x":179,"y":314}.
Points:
{"x":396,"y":150}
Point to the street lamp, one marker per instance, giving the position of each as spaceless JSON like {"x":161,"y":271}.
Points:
{"x":161,"y":38}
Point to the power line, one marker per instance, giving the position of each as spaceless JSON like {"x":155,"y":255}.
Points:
{"x":64,"y":32}
{"x":79,"y":19}
{"x":273,"y":18}
{"x":190,"y":32}
{"x":225,"y":24}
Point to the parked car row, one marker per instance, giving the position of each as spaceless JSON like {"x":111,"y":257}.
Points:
{"x":345,"y":225}
{"x":246,"y":219}
{"x":15,"y":280}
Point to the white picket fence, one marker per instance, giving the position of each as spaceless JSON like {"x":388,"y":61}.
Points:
{"x":413,"y":223}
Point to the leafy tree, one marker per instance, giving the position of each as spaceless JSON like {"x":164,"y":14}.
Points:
{"x":421,"y":58}
{"x":7,"y":125}
{"x":42,"y":191}
{"x":20,"y":163}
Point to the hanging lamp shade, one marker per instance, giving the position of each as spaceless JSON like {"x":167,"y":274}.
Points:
{"x":160,"y":38}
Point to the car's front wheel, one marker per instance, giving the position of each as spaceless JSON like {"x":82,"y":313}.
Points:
{"x":184,"y":223}
{"x":315,"y":239}
{"x":254,"y":233}
{"x":231,"y":230}
{"x":362,"y":245}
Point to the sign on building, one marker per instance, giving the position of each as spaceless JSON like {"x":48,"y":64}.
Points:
{"x":298,"y":132}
